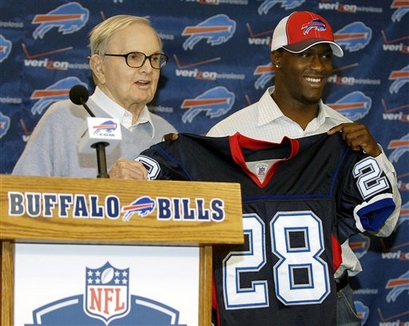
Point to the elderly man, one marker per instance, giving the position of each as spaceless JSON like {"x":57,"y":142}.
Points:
{"x":126,"y":60}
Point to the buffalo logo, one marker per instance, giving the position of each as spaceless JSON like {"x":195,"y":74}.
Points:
{"x":55,"y":92}
{"x":354,"y":36}
{"x":215,"y":102}
{"x":217,"y":30}
{"x":107,"y":293}
{"x":400,"y":78}
{"x":4,"y":124}
{"x":399,"y":147}
{"x":266,"y":73}
{"x":69,"y":18}
{"x":107,"y":126}
{"x":362,"y":311}
{"x":5,"y":48}
{"x":286,"y":4}
{"x":359,"y":244}
{"x":316,"y":24}
{"x":402,"y":7}
{"x":397,"y":286}
{"x":404,"y":213}
{"x":354,"y":105}
{"x":143,"y":206}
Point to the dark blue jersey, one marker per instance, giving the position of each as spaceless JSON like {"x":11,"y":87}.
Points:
{"x":301,"y":199}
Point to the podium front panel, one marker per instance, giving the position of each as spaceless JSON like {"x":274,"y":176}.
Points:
{"x":52,"y":209}
{"x":97,"y":284}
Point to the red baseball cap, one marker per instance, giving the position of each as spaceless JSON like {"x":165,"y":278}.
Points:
{"x":302,"y":30}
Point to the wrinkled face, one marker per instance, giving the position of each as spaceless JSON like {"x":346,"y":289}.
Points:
{"x":132,"y":88}
{"x":304,"y":75}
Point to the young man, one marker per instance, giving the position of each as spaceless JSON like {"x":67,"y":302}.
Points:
{"x":126,"y":60}
{"x":301,"y":51}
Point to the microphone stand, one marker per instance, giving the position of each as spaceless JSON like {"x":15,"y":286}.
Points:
{"x":101,"y":159}
{"x":100,"y":148}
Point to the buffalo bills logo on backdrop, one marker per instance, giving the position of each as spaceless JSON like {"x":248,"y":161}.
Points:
{"x":354,"y":36}
{"x":68,"y":18}
{"x":400,"y":78}
{"x":359,"y":244}
{"x":4,"y":124}
{"x":106,"y":299}
{"x":266,"y":73}
{"x":354,"y":105}
{"x":362,"y":311}
{"x":142,"y":206}
{"x":216,"y":30}
{"x":399,"y":147}
{"x":215,"y":102}
{"x":5,"y":48}
{"x":398,"y":286}
{"x":286,"y":4}
{"x":404,"y":213}
{"x":403,"y":185}
{"x":402,"y":8}
{"x":107,"y":292}
{"x":55,"y":92}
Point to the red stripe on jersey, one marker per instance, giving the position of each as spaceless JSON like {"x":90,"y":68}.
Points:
{"x":336,"y":252}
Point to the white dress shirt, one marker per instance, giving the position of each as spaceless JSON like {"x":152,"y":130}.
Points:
{"x":118,"y":112}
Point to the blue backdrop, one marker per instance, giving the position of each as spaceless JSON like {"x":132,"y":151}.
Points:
{"x":217,"y":70}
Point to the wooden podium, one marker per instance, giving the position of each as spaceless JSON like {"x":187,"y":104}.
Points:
{"x":118,"y":212}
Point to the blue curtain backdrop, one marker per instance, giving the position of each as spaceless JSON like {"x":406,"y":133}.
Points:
{"x":43,"y":51}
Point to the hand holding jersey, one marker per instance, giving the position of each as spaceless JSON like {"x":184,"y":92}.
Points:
{"x":131,"y":169}
{"x":128,"y":169}
{"x":358,"y":137}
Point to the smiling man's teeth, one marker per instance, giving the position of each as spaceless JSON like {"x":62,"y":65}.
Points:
{"x":313,"y":80}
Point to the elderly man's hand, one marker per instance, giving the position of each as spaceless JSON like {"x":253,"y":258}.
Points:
{"x":128,"y":169}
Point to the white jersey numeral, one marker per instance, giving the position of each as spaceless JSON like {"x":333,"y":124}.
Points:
{"x":369,"y":181}
{"x":300,"y":275}
{"x":151,"y":165}
{"x":238,"y":262}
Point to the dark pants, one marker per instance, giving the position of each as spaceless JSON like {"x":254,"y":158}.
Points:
{"x":346,"y":313}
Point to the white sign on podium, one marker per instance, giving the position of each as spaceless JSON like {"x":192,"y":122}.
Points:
{"x":82,"y":283}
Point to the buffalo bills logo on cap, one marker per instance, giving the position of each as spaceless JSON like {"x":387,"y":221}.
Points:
{"x":316,"y":24}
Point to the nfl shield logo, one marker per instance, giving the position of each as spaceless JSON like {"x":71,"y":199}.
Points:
{"x":106,"y":293}
{"x":261,"y":169}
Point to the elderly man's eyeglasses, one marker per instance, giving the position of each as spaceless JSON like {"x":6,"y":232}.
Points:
{"x":137,"y":59}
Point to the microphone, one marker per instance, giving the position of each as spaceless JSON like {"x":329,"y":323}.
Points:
{"x":96,"y":133}
{"x":79,"y":95}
